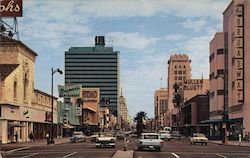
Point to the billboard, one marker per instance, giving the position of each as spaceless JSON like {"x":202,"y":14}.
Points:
{"x":11,"y":8}
{"x":69,"y":91}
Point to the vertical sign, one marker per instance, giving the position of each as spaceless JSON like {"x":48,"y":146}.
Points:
{"x":239,"y":52}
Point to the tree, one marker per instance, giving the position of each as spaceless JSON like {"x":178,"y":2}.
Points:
{"x":139,"y":118}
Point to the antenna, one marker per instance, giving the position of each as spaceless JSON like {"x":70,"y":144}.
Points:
{"x":161,"y":83}
{"x":9,"y":30}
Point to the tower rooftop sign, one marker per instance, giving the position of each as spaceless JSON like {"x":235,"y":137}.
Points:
{"x":11,"y":8}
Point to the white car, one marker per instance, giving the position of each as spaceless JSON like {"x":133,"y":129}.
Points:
{"x":105,"y":140}
{"x":151,"y":141}
{"x":165,"y":135}
{"x":78,"y":137}
{"x":198,"y":138}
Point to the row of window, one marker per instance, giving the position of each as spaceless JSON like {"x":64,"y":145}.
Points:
{"x":180,"y":72}
{"x":180,"y":66}
{"x":179,"y":78}
{"x":80,"y":64}
{"x":219,"y":51}
{"x":219,"y":73}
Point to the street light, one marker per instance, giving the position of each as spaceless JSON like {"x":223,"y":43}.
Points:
{"x":52,"y":102}
{"x":225,"y":112}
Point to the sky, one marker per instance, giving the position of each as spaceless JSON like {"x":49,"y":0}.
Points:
{"x":146,"y":32}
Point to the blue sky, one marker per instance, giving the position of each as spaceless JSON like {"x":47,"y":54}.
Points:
{"x":146,"y":32}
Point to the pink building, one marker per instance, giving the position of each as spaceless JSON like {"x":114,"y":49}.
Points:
{"x":229,"y":78}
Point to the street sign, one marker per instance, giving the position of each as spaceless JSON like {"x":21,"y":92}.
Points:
{"x":78,"y":110}
{"x":69,"y":91}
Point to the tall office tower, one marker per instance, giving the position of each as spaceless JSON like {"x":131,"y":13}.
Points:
{"x":95,"y":67}
{"x":234,"y":80}
{"x":178,"y":70}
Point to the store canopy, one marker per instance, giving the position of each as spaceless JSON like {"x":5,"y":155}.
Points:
{"x":68,"y":126}
{"x":212,"y":121}
{"x":12,"y":124}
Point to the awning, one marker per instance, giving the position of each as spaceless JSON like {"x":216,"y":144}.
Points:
{"x":212,"y":121}
{"x":90,"y":109}
{"x":68,"y":126}
{"x":12,"y":124}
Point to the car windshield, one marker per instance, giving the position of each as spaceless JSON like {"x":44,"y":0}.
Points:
{"x":199,"y":135}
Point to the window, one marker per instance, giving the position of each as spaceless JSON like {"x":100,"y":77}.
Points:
{"x":180,"y":78}
{"x":175,"y":72}
{"x":220,"y":51}
{"x":179,"y":72}
{"x":175,"y":67}
{"x":220,"y":71}
{"x":211,"y":76}
{"x":184,"y":72}
{"x":184,"y":66}
{"x":220,"y":92}
{"x":25,"y":84}
{"x":0,"y":111}
{"x":211,"y":57}
{"x":179,"y":66}
{"x":175,"y":78}
{"x":15,"y":89}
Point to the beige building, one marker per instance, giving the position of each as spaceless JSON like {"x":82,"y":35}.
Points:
{"x":107,"y":119}
{"x":179,"y":69}
{"x":232,"y":79}
{"x":123,"y":108}
{"x":21,"y":109}
{"x":161,"y":108}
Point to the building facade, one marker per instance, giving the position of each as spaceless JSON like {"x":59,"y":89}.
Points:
{"x":96,"y":66}
{"x":22,"y":108}
{"x":123,"y":109}
{"x":179,"y":69}
{"x":161,"y":108}
{"x":193,"y":113}
{"x":234,"y":81}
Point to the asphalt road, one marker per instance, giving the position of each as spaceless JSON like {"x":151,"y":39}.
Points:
{"x":172,"y":149}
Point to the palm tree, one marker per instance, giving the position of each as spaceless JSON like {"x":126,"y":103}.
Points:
{"x":139,"y":118}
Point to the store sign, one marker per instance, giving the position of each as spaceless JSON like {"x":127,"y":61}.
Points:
{"x":78,"y":110}
{"x":69,"y":91}
{"x":90,"y":95}
{"x":193,"y":84}
{"x":239,"y":52}
{"x":11,"y":8}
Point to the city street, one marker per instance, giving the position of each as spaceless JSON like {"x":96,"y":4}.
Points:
{"x":172,"y":149}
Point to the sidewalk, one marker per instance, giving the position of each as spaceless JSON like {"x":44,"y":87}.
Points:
{"x":231,"y":143}
{"x":39,"y":142}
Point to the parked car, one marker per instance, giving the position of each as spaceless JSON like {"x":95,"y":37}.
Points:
{"x":175,"y":135}
{"x":105,"y":140}
{"x":78,"y":137}
{"x":165,"y":135}
{"x":120,"y":135}
{"x":151,"y":141}
{"x":93,"y":137}
{"x":198,"y":138}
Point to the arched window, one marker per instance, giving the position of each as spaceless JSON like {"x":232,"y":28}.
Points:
{"x":15,"y":89}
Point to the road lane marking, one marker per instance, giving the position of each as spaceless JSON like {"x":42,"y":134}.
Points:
{"x":17,"y":149}
{"x":220,"y":155}
{"x":30,"y":155}
{"x":70,"y":154}
{"x":175,"y":155}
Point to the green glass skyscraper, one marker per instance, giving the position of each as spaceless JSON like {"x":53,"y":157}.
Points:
{"x":95,"y":67}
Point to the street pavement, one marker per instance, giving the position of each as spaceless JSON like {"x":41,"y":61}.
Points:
{"x":172,"y":149}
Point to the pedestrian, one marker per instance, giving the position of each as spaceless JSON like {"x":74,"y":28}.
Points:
{"x":16,"y":136}
{"x":47,"y":137}
{"x":31,"y":136}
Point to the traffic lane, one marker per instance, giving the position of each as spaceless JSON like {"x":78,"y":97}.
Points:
{"x":152,"y":154}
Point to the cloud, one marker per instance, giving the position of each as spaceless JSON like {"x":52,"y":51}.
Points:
{"x":132,"y":40}
{"x":196,"y":25}
{"x":175,"y":37}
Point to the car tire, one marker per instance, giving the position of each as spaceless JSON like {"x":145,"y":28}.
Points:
{"x":205,"y":143}
{"x":139,"y":148}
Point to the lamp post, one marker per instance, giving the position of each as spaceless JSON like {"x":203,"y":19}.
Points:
{"x":225,"y":112}
{"x":52,"y":102}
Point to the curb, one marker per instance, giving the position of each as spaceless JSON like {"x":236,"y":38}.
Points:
{"x":123,"y":154}
{"x":219,"y":143}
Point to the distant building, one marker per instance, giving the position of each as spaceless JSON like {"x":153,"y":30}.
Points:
{"x":229,"y":74}
{"x":123,"y":112}
{"x":161,"y":108}
{"x":179,"y":69}
{"x":97,"y":67}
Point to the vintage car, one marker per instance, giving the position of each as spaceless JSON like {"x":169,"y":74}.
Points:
{"x":105,"y":140}
{"x":165,"y":135}
{"x":93,"y":137}
{"x":78,"y":137}
{"x":175,"y":135}
{"x":198,"y":138}
{"x":151,"y":141}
